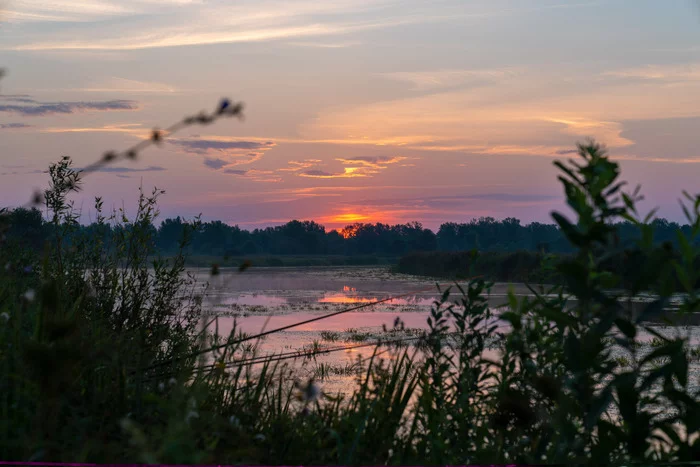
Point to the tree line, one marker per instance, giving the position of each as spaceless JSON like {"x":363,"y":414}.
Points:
{"x":216,"y":238}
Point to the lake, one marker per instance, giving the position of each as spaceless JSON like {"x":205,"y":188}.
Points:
{"x":262,"y":299}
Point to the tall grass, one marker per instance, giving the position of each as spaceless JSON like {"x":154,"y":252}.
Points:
{"x":105,"y":358}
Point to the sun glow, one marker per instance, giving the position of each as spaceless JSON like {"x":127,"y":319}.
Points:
{"x":342,"y":298}
{"x":348,"y":232}
{"x":350,"y":217}
{"x":346,"y":223}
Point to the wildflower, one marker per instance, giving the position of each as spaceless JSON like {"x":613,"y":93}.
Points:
{"x":259,"y":437}
{"x":29,"y":295}
{"x":5,"y":316}
{"x":172,"y":381}
{"x":161,"y":386}
{"x":309,"y":393}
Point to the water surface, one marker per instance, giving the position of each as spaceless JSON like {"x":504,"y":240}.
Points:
{"x":269,"y":298}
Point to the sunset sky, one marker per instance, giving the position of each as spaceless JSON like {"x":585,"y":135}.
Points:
{"x":356,"y":110}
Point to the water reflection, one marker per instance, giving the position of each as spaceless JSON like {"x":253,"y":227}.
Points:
{"x":334,"y":297}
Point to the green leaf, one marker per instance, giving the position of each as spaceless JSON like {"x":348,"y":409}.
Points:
{"x":570,"y":231}
{"x":627,"y":328}
{"x":560,"y":317}
{"x":667,"y":350}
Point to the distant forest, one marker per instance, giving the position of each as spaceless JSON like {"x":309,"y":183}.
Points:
{"x":309,"y":238}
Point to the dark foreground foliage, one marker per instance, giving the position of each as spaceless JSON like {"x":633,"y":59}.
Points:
{"x":101,"y":358}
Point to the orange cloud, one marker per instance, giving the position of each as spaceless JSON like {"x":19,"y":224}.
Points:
{"x":375,"y":162}
{"x":348,"y":172}
{"x":295,"y":166}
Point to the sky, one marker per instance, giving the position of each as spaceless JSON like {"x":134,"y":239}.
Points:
{"x":355,"y":110}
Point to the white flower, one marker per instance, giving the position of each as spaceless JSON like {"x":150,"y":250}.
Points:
{"x":172,"y":381}
{"x":161,"y":386}
{"x":310,"y":392}
{"x":259,"y":437}
{"x":5,"y":316}
{"x":29,"y":295}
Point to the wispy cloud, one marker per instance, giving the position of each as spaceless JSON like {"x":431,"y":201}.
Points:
{"x":16,"y":98}
{"x":110,"y":169}
{"x":133,"y":129}
{"x":359,"y":166}
{"x":438,"y":79}
{"x":202,"y":146}
{"x":131,"y":86}
{"x":176,"y":24}
{"x":215,"y":164}
{"x":668,"y":73}
{"x":13,"y":126}
{"x":253,"y":174}
{"x":375,"y":162}
{"x":348,"y":172}
{"x":296,"y":166}
{"x":224,"y":152}
{"x":38,"y":109}
{"x":71,"y":11}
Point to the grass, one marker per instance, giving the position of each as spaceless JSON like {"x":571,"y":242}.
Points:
{"x":656,"y":342}
{"x":695,"y":354}
{"x":330,"y":336}
{"x":323,"y":371}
